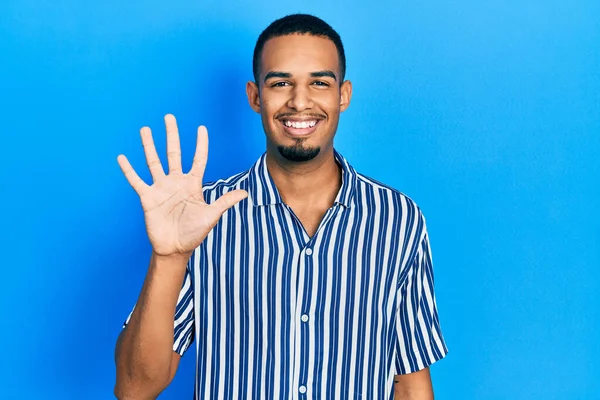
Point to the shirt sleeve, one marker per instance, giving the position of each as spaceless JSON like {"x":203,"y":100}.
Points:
{"x":184,"y":313}
{"x":419,"y":337}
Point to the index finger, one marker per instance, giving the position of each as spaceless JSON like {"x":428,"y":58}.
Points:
{"x":201,"y":155}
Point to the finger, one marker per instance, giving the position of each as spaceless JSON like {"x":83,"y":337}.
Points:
{"x":201,"y":156}
{"x":227,"y":201}
{"x":173,"y":147}
{"x":132,"y":177}
{"x":154,"y":165}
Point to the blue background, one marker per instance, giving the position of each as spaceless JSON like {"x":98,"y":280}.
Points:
{"x":485,"y":113}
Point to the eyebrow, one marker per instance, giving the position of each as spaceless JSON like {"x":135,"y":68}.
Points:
{"x":323,"y":74}
{"x":316,"y":74}
{"x":277,"y":74}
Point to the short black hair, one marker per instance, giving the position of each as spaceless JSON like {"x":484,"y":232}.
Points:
{"x":304,"y":24}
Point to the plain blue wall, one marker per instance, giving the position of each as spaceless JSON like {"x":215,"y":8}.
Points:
{"x":485,"y":113}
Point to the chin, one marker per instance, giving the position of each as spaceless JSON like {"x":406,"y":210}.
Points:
{"x":298,"y":153}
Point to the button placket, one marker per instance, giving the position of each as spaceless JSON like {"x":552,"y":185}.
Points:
{"x":304,"y":319}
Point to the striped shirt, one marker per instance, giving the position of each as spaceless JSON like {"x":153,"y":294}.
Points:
{"x":276,"y":314}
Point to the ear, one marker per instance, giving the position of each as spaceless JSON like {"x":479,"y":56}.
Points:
{"x":253,"y":96}
{"x":345,"y":95}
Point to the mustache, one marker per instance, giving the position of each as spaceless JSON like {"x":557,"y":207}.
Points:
{"x":289,"y":114}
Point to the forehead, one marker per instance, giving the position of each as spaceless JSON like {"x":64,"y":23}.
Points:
{"x":299,"y":54}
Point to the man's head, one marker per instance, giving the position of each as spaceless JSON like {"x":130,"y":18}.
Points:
{"x":299,"y":89}
{"x":299,"y":24}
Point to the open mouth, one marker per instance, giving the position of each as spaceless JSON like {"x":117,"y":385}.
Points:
{"x":296,"y":127}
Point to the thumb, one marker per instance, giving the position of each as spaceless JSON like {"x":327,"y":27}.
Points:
{"x":227,"y":201}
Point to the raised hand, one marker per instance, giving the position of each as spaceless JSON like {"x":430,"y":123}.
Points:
{"x":177,"y":217}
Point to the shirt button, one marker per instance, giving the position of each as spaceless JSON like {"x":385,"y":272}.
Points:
{"x":304,"y":318}
{"x":302,"y":389}
{"x":308,"y":252}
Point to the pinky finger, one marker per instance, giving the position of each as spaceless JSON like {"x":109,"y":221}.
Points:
{"x":132,"y":177}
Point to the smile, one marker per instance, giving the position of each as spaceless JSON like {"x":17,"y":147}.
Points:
{"x":300,"y":124}
{"x":299,"y":127}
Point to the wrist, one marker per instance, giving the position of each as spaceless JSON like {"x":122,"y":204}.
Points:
{"x":174,"y":260}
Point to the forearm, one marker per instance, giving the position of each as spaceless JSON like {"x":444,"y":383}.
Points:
{"x":144,"y":350}
{"x":408,"y":394}
{"x":414,"y":386}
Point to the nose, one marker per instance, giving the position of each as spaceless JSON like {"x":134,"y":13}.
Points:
{"x":300,"y":99}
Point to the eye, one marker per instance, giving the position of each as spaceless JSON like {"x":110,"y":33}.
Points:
{"x":280,"y":84}
{"x":320,"y":83}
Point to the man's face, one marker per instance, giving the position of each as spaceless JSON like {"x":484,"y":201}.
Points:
{"x":299,"y":96}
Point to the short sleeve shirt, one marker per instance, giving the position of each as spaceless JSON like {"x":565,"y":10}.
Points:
{"x":277,"y":314}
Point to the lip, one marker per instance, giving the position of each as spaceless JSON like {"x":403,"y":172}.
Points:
{"x":299,"y":132}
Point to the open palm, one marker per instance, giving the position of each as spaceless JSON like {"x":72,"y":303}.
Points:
{"x":177,"y":217}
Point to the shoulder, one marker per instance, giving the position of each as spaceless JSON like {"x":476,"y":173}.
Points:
{"x":217,"y":188}
{"x":390,"y":196}
{"x":396,"y":210}
{"x":393,"y":207}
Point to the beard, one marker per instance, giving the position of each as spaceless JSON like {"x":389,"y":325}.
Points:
{"x":298,"y":153}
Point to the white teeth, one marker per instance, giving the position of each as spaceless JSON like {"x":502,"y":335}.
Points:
{"x":300,"y":125}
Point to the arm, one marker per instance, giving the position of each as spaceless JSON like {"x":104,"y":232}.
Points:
{"x":420,"y":342}
{"x":177,"y":221}
{"x":415,"y":386}
{"x":146,"y":362}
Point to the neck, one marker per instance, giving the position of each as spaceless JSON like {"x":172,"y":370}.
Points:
{"x":314,"y":183}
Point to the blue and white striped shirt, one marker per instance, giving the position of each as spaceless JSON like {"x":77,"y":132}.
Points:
{"x":277,"y":314}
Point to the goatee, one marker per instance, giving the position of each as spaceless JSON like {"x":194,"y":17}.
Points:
{"x":298,"y":153}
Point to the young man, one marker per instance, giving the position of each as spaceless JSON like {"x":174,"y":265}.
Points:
{"x":299,"y":278}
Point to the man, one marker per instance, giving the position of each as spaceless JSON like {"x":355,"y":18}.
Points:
{"x":297,"y":279}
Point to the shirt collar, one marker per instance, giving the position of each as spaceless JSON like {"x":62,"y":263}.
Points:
{"x":263,"y":192}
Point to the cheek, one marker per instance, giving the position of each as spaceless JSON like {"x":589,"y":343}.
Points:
{"x":269,"y":107}
{"x":272,"y":103}
{"x":328,"y":101}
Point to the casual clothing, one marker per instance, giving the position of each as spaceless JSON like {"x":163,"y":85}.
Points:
{"x":276,"y":314}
